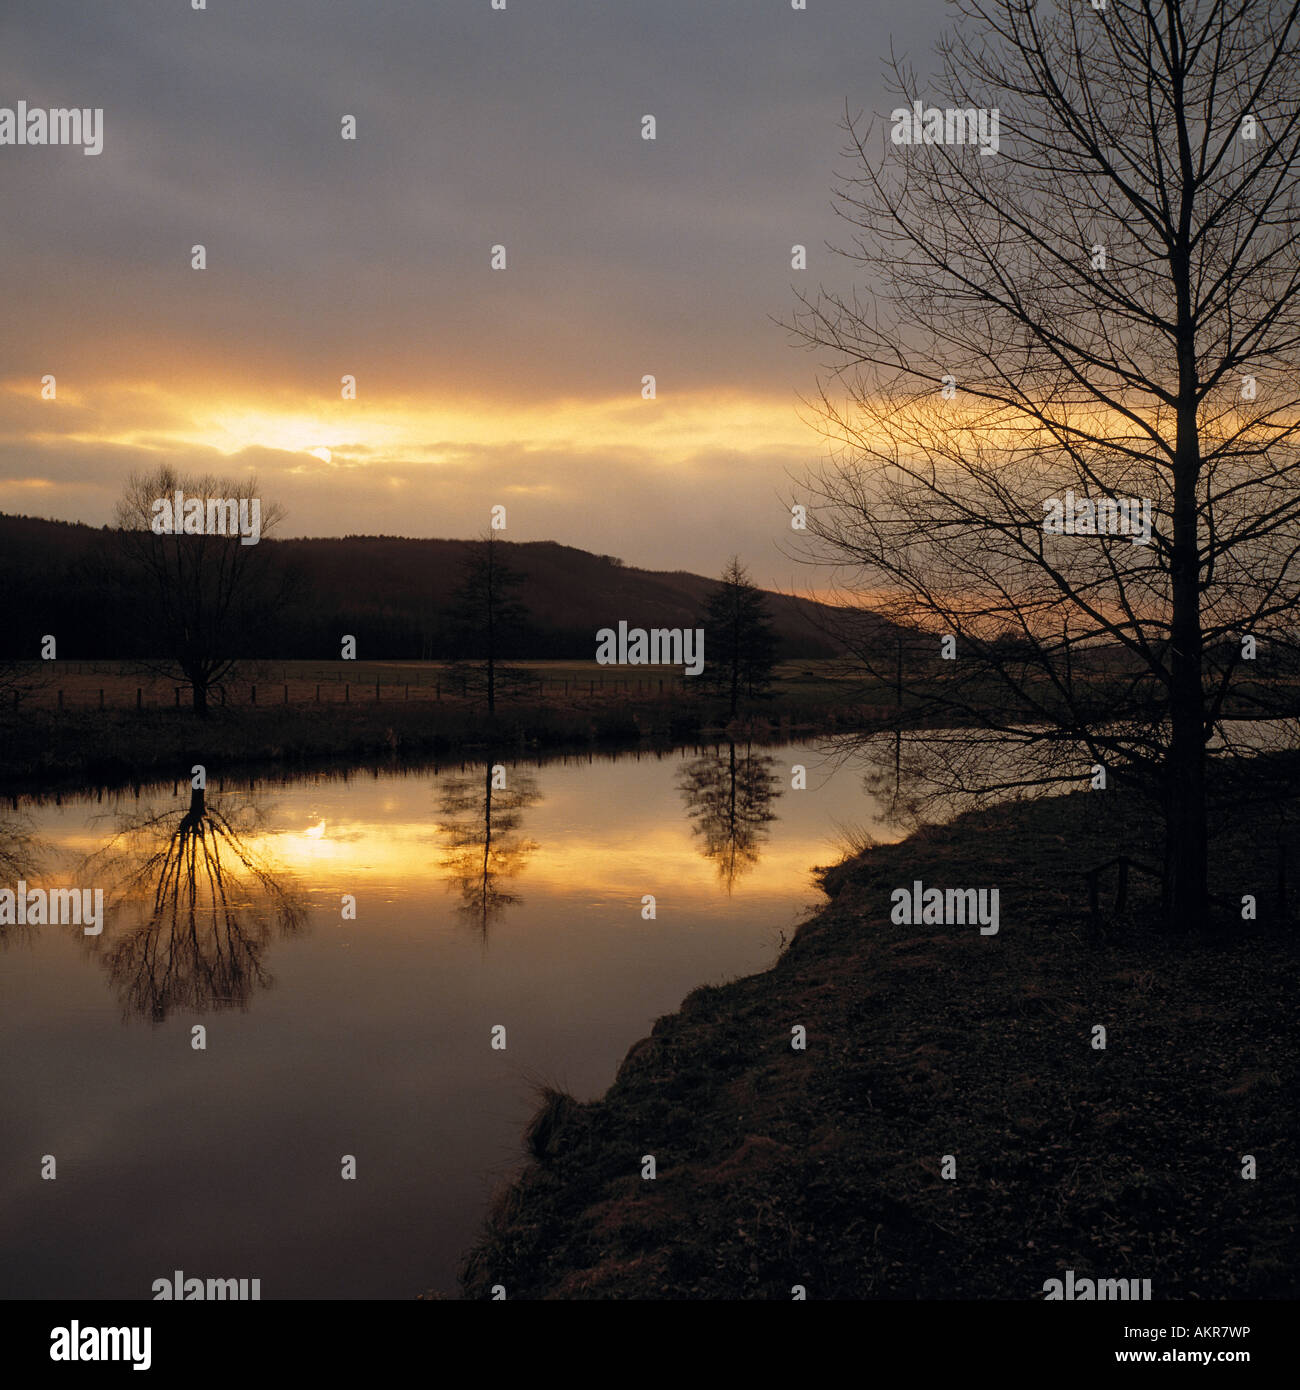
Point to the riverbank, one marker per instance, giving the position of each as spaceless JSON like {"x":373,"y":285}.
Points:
{"x":825,"y":1168}
{"x":86,"y":749}
{"x":100,"y":725}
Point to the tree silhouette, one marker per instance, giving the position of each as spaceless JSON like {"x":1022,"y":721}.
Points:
{"x":20,"y":680}
{"x":1109,"y":306}
{"x":485,"y":615}
{"x":205,"y":908}
{"x":728,"y":799}
{"x":200,"y":602}
{"x":21,"y":853}
{"x":478,"y":830}
{"x":740,"y":646}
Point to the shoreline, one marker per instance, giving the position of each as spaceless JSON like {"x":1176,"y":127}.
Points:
{"x":50,"y":752}
{"x":825,"y":1169}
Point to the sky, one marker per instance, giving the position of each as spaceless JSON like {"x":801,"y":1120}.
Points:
{"x":371,"y":258}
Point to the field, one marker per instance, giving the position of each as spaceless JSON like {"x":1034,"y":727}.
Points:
{"x":103,"y":723}
{"x":113,"y":685}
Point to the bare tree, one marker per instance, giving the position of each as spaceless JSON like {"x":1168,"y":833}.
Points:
{"x":206,"y":905}
{"x":741,"y":646}
{"x":729,"y":799}
{"x":1106,"y":309}
{"x":20,"y":680}
{"x":485,"y":616}
{"x":199,"y":600}
{"x":481,"y":817}
{"x":21,"y":856}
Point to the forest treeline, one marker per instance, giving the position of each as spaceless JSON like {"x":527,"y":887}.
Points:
{"x":394,"y":595}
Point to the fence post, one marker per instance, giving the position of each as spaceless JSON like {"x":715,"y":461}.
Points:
{"x":101,"y":699}
{"x":253,"y":699}
{"x":139,"y":698}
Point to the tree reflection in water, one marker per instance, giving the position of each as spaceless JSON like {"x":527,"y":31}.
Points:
{"x":481,"y":815}
{"x":728,"y":799}
{"x":20,"y":856}
{"x":205,"y":906}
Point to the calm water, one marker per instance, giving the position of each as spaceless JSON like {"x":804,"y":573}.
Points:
{"x":477,"y":905}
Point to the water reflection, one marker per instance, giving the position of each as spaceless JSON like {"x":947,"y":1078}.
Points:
{"x":927,"y":775}
{"x":482,"y":812}
{"x":920,"y":776}
{"x":195,"y":908}
{"x":20,"y":854}
{"x":728,"y":801}
{"x":377,"y":1025}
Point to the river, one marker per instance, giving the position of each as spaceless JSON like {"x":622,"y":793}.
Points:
{"x":348,"y":943}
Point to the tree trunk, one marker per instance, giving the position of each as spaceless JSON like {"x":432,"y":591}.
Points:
{"x":199,"y":693}
{"x":1186,"y":868}
{"x":1186,"y":852}
{"x":491,"y":636}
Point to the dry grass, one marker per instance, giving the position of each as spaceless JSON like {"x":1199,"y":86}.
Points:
{"x":823,"y":1168}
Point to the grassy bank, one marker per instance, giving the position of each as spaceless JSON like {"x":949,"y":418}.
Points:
{"x":69,"y":749}
{"x":297,"y":715}
{"x":823,"y":1167}
{"x":112,"y":747}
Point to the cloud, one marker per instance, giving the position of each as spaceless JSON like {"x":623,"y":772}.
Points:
{"x":476,"y":127}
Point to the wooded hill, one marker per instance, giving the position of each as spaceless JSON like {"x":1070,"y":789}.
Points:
{"x":393,"y":594}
